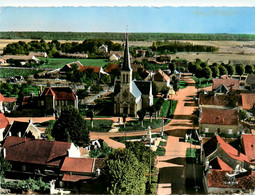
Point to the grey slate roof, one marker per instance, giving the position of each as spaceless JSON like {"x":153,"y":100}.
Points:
{"x":250,"y":79}
{"x":144,"y":87}
{"x":126,"y":59}
{"x":135,"y":91}
{"x":116,"y":87}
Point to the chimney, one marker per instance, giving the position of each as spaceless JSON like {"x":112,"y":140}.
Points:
{"x":206,"y":164}
{"x":10,"y":133}
{"x":19,"y":134}
{"x":239,"y":150}
{"x":223,"y":119}
{"x":4,"y":152}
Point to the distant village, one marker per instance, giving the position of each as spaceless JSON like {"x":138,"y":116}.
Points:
{"x":117,"y":128}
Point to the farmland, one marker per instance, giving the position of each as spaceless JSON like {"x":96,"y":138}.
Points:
{"x":9,"y":72}
{"x":60,"y":62}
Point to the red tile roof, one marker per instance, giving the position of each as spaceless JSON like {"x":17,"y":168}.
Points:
{"x":218,"y":178}
{"x":60,"y":93}
{"x":82,"y":165}
{"x":111,"y":67}
{"x":218,"y":100}
{"x":223,"y":165}
{"x":95,"y":69}
{"x":3,"y":121}
{"x":219,"y":116}
{"x":75,"y":178}
{"x":229,"y":83}
{"x":211,"y":145}
{"x":249,"y":146}
{"x":161,"y":76}
{"x":248,"y":100}
{"x":35,"y":151}
{"x":7,"y":99}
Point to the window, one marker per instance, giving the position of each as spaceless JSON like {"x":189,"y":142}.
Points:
{"x":123,"y":78}
{"x":230,"y":131}
{"x":206,"y":130}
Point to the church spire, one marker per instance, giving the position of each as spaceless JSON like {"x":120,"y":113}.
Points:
{"x":126,"y":60}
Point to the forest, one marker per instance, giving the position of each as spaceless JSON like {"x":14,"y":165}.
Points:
{"x":121,"y":36}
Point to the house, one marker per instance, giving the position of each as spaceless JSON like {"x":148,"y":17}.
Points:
{"x":37,"y":157}
{"x":249,"y":82}
{"x":225,"y":84}
{"x":21,"y":58}
{"x":130,"y":95}
{"x":248,"y":104}
{"x":161,"y":79}
{"x":73,"y":55}
{"x":23,"y":129}
{"x":38,"y":54}
{"x":4,"y":125}
{"x":213,"y":101}
{"x":89,"y":69}
{"x":103,"y":48}
{"x":54,"y":98}
{"x":114,"y":57}
{"x":7,"y":103}
{"x":117,"y":53}
{"x":227,"y":169}
{"x":112,"y":67}
{"x":223,"y":121}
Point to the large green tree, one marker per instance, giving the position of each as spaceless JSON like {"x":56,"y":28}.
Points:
{"x":71,"y":127}
{"x":125,"y":174}
{"x":223,"y":70}
{"x":215,"y":71}
{"x":240,"y":69}
{"x":249,"y":69}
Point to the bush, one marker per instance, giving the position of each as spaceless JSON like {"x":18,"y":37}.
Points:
{"x":26,"y":185}
{"x":102,"y":152}
{"x":160,"y":151}
{"x":191,"y":153}
{"x":162,"y":143}
{"x":100,"y":125}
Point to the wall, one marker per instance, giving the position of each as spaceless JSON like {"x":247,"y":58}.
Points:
{"x":223,"y":128}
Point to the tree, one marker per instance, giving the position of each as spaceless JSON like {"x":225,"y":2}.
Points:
{"x":71,"y":127}
{"x":223,"y":70}
{"x":125,"y":174}
{"x":243,"y":115}
{"x":151,"y":110}
{"x":141,"y":114}
{"x":154,"y":89}
{"x":240,"y":69}
{"x":124,"y":116}
{"x":231,"y":69}
{"x":232,"y":99}
{"x":96,"y":88}
{"x":105,"y":79}
{"x":215,"y":71}
{"x":91,"y":114}
{"x":158,"y":105}
{"x":207,"y":72}
{"x":249,"y":69}
{"x":164,"y":90}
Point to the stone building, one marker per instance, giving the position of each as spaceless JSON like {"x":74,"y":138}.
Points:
{"x":130,"y":95}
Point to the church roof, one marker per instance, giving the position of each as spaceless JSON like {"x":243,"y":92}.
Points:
{"x":126,"y":58}
{"x":135,"y":91}
{"x":144,"y":87}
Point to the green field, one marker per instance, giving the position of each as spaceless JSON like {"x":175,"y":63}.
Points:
{"x":121,"y":36}
{"x":60,"y":62}
{"x":9,"y":72}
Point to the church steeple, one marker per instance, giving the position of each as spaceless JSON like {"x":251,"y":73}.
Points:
{"x":126,"y":60}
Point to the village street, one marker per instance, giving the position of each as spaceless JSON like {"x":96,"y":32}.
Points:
{"x":172,"y":165}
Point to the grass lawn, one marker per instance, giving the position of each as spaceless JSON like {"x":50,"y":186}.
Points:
{"x":100,"y":125}
{"x":135,"y":125}
{"x":60,"y":62}
{"x":9,"y":72}
{"x":183,"y":84}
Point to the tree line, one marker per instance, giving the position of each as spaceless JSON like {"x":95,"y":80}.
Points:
{"x":177,"y":46}
{"x":202,"y":69}
{"x":89,"y":46}
{"x":120,"y":36}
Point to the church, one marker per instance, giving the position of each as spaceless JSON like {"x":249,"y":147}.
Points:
{"x":130,"y":95}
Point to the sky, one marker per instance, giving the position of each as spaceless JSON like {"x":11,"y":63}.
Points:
{"x":239,"y":20}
